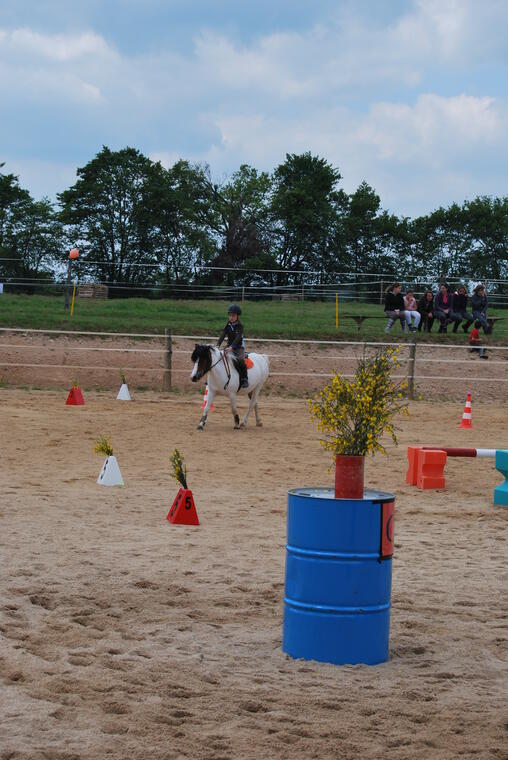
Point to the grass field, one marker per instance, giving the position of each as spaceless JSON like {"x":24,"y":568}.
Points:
{"x":267,"y":319}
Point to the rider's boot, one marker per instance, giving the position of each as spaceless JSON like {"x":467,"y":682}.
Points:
{"x":242,"y":371}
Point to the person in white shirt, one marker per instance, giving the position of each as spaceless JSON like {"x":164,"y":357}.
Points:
{"x":411,"y":311}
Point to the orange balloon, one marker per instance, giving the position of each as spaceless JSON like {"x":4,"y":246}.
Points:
{"x":74,"y":253}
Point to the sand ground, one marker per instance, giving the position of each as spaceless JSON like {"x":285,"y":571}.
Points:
{"x":123,"y":636}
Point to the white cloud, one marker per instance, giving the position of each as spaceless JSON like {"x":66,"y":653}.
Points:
{"x":57,"y":47}
{"x":363,"y":94}
{"x":430,"y":128}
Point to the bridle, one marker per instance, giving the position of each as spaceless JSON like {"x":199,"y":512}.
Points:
{"x":222,"y":358}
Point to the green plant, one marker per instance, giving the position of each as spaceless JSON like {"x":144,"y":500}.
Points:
{"x":122,"y":376}
{"x":179,"y":469}
{"x":103,"y":446}
{"x":355,"y":414}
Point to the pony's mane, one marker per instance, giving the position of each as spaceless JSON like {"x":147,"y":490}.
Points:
{"x":200,"y":350}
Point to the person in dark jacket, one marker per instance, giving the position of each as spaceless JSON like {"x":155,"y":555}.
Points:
{"x":394,"y":306}
{"x":443,"y":307}
{"x":233,"y":332}
{"x":426,"y":309}
{"x":479,"y":307}
{"x":458,"y":311}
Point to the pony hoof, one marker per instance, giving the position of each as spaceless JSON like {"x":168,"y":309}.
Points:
{"x":259,"y":424}
{"x":242,"y":425}
{"x":200,"y":427}
{"x":236,"y":427}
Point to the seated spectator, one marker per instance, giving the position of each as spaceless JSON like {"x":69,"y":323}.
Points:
{"x":426,"y":309}
{"x":411,"y":311}
{"x":458,"y":311}
{"x":394,"y":307}
{"x":442,"y":307}
{"x":479,"y":307}
{"x":474,"y":341}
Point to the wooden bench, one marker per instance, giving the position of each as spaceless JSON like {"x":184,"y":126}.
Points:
{"x":360,"y":318}
{"x":492,"y":320}
{"x":93,"y":291}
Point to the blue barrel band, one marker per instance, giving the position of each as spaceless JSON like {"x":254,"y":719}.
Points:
{"x":326,"y":609}
{"x":314,"y":554}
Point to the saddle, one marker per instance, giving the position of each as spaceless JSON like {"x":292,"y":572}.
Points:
{"x":248,"y":363}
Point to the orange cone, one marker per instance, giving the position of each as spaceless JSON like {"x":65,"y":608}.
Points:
{"x":466,"y":417}
{"x":205,"y":398}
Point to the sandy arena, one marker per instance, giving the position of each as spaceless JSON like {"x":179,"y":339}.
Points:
{"x":126,"y":637}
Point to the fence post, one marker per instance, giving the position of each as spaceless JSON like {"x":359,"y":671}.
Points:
{"x":166,"y":382}
{"x":68,"y":286}
{"x":381,"y":294}
{"x":411,"y":370}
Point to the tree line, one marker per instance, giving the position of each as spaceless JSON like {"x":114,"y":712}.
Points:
{"x":125,"y":210}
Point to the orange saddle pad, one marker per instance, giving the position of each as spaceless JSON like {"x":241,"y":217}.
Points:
{"x":249,"y":363}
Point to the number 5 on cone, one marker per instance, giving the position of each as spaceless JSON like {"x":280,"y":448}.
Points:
{"x":183,"y":510}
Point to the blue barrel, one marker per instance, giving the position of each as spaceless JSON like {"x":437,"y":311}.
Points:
{"x":338,"y":576}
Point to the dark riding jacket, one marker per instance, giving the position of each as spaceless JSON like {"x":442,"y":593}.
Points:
{"x":234,"y":334}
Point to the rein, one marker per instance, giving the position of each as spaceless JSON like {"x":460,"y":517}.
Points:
{"x":222,"y":357}
{"x":226,"y":367}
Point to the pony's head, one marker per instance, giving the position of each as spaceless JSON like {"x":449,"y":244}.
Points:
{"x":202,"y":358}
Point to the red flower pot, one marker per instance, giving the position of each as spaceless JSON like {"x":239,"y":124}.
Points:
{"x":349,"y":474}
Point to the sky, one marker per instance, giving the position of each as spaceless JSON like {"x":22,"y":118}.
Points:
{"x":409,"y":95}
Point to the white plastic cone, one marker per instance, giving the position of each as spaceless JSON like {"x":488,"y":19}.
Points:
{"x":110,"y":474}
{"x":123,"y":393}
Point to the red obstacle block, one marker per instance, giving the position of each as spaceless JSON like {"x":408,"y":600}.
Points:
{"x":412,"y":470}
{"x":431,"y":464}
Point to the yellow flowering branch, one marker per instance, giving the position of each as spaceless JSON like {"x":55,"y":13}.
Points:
{"x":354,"y":415}
{"x":179,"y":469}
{"x":103,"y":446}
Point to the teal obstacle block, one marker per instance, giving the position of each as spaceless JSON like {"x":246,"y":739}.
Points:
{"x":501,"y":492}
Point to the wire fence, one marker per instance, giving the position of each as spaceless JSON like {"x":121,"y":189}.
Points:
{"x":239,"y":284}
{"x":51,"y":358}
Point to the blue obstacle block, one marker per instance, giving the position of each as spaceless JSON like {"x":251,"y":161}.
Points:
{"x":501,"y":492}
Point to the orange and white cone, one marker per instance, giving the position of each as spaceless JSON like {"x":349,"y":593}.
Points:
{"x":466,"y":417}
{"x":205,"y":398}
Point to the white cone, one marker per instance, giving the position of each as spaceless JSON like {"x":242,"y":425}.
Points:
{"x":123,"y":393}
{"x":110,"y":474}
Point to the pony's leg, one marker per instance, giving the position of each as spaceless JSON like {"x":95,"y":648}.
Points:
{"x":256,"y":411}
{"x":253,"y":396}
{"x":234,"y":410}
{"x":209,"y":400}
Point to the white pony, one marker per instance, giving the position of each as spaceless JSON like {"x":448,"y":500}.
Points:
{"x":223,"y":378}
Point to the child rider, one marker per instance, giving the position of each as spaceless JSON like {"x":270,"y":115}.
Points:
{"x":234,"y":334}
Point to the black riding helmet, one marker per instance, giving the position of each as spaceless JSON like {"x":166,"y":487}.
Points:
{"x":234,"y":309}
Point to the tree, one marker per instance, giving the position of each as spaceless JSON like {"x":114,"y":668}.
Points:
{"x":370,"y":237}
{"x":108,"y":216}
{"x":304,"y":210}
{"x":31,"y":237}
{"x":179,"y":203}
{"x":240,"y":219}
{"x":486,"y":227}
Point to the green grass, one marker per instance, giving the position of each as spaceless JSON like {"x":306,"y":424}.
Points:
{"x":262,"y":319}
